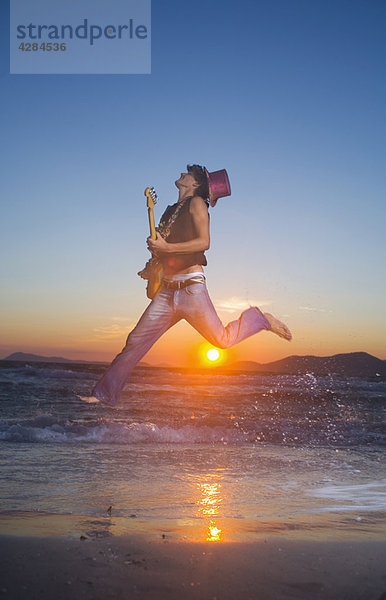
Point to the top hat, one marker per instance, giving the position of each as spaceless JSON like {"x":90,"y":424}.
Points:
{"x":219,"y":185}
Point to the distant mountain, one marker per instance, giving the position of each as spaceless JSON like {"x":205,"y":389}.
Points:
{"x":23,"y":356}
{"x":36,"y":358}
{"x":353,"y":364}
{"x":246,"y":365}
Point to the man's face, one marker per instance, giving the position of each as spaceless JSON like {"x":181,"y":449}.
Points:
{"x":186,"y":180}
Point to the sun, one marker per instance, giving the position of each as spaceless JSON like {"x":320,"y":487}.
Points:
{"x":211,"y":357}
{"x":213,"y":354}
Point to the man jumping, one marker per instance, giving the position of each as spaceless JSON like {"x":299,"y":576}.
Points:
{"x":182,"y":239}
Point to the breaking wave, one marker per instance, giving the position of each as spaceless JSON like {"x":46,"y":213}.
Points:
{"x":49,"y":429}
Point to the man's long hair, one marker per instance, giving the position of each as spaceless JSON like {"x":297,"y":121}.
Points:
{"x":200,"y":176}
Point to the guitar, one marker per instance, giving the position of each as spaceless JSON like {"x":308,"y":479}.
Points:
{"x":153,"y":268}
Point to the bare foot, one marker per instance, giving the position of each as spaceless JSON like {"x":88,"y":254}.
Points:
{"x":90,"y":399}
{"x":94,"y":400}
{"x":278,"y":327}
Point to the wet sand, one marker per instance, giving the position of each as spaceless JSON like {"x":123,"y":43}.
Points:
{"x":156,"y":569}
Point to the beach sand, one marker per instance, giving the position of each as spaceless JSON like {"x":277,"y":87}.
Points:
{"x":125,"y":567}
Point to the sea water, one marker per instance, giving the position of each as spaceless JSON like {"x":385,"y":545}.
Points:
{"x":191,"y":456}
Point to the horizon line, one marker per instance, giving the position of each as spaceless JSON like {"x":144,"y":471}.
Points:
{"x":174,"y":366}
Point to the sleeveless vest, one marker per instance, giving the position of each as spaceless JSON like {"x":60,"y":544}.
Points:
{"x":182,"y":230}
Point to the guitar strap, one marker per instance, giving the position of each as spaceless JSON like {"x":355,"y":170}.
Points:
{"x":164,"y":228}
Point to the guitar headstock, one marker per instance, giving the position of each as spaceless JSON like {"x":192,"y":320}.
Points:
{"x":151,"y":197}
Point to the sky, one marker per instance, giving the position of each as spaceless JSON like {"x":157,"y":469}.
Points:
{"x":288,"y":96}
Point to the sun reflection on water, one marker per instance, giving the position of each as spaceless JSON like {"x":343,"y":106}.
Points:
{"x":208,"y":506}
{"x":214,"y":534}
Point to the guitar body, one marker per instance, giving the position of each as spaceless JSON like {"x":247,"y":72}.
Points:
{"x":155,"y":278}
{"x":153,"y":268}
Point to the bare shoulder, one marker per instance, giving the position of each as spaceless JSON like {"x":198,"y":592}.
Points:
{"x":198,"y":205}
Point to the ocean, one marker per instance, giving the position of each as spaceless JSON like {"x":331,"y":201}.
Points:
{"x":192,"y":456}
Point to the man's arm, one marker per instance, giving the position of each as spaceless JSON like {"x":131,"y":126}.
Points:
{"x":200,"y":216}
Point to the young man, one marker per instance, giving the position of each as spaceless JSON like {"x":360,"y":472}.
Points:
{"x":182,"y":239}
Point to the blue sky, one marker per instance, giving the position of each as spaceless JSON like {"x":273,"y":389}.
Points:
{"x":288,"y":96}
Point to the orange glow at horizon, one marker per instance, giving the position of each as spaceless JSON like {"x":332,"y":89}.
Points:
{"x":85,"y":335}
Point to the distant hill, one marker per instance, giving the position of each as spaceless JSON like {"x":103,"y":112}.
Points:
{"x":23,"y":356}
{"x":36,"y":358}
{"x":353,"y":364}
{"x":246,"y":365}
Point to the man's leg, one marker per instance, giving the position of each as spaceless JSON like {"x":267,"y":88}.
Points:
{"x":197,"y":308}
{"x":157,"y":318}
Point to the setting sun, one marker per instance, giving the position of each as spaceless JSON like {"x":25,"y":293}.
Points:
{"x":213,"y":354}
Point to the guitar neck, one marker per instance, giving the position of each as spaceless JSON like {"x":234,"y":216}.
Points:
{"x":150,"y":214}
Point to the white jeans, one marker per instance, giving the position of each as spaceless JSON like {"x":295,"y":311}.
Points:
{"x":191,"y":303}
